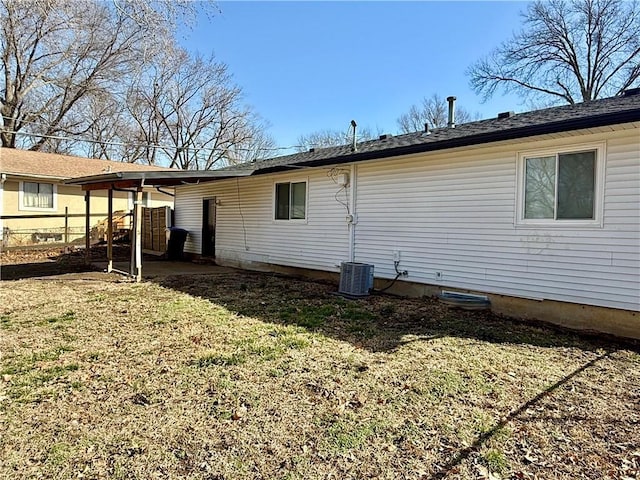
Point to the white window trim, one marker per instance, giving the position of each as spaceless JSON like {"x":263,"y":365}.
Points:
{"x":597,"y":221}
{"x":21,"y":206}
{"x":290,"y":221}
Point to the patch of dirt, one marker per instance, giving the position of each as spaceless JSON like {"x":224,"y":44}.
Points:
{"x":43,"y":262}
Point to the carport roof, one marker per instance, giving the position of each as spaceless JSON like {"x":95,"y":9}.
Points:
{"x":158,"y":178}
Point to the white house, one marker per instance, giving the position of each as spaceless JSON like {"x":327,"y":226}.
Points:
{"x":540,"y":211}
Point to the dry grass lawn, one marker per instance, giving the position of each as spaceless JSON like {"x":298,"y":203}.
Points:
{"x":253,"y":376}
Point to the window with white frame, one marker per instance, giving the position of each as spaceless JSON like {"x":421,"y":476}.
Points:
{"x":37,"y":196}
{"x":291,"y":201}
{"x":561,"y":186}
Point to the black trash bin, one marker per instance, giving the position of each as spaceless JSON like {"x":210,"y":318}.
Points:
{"x":175,"y":245}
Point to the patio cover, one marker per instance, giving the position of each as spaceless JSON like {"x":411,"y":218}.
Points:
{"x":134,"y":182}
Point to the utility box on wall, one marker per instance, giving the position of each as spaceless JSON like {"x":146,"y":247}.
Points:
{"x":356,"y":279}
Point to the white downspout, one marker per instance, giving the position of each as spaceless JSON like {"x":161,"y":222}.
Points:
{"x":354,"y":215}
{"x":3,"y":178}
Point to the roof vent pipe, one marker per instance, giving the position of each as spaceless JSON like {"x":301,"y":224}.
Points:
{"x":426,"y":130}
{"x":354,"y":146}
{"x":452,"y":114}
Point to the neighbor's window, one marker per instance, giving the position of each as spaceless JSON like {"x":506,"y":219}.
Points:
{"x":291,"y":200}
{"x":37,"y":195}
{"x":560,"y":186}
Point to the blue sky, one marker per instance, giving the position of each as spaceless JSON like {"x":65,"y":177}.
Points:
{"x":308,"y":66}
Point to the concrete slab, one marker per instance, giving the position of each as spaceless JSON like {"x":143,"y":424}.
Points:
{"x":165,"y":268}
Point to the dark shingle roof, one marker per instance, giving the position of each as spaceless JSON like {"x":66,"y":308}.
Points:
{"x":596,"y":113}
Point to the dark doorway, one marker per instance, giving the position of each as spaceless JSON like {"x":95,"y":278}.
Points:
{"x":209,"y":227}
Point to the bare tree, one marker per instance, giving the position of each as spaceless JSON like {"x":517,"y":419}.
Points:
{"x":567,"y":51}
{"x":190,"y":115}
{"x":54,"y":55}
{"x":433,"y":110}
{"x":112,"y":133}
{"x":332,"y":138}
{"x":257,"y":145}
{"x":164,"y":14}
{"x":107,"y":79}
{"x":58,"y":54}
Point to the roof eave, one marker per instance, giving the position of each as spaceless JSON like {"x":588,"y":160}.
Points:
{"x":160,"y":177}
{"x":34,"y":175}
{"x":102,"y":177}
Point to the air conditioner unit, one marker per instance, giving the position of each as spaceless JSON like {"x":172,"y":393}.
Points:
{"x":356,"y":279}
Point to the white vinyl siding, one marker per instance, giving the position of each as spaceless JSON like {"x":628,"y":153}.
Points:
{"x":246,"y":229}
{"x":455,"y":213}
{"x":451,"y":212}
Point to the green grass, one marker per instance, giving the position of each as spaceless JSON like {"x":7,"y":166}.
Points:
{"x":444,"y":383}
{"x":36,"y":385}
{"x":59,"y":453}
{"x":496,"y":461}
{"x":308,"y":316}
{"x":18,"y":364}
{"x":246,"y":375}
{"x":342,"y":436}
{"x":65,"y":317}
{"x":5,"y":321}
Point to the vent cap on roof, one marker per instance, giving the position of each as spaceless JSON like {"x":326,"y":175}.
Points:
{"x":506,"y":115}
{"x":312,"y":149}
{"x":384,"y":136}
{"x":630,"y":91}
{"x":452,"y":112}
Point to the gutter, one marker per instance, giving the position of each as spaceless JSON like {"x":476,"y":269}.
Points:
{"x":103,"y":177}
{"x":33,"y":175}
{"x":151,"y":177}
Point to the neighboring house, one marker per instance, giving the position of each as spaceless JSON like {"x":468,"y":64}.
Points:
{"x":539,"y":210}
{"x":31,"y":185}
